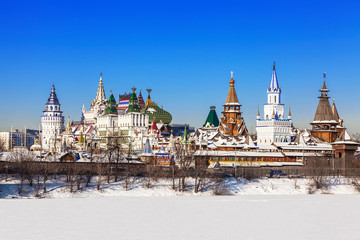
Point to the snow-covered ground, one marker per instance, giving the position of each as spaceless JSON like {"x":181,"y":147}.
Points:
{"x":218,"y":217}
{"x":138,"y":187}
{"x":258,"y":209}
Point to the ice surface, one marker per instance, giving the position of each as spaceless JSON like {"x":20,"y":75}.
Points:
{"x":231,"y":217}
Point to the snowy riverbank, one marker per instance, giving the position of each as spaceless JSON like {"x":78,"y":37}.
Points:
{"x":163,"y":187}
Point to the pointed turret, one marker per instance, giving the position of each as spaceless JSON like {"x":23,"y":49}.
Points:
{"x":334,"y":111}
{"x":289,"y":115}
{"x":232,"y":124}
{"x":53,"y":100}
{"x":324,"y":111}
{"x":111,"y":105}
{"x":325,"y":124}
{"x":185,"y":135}
{"x":141,"y":100}
{"x":258,"y":114}
{"x":148,"y":101}
{"x":232,"y":97}
{"x":100,"y":95}
{"x":147,"y":148}
{"x":68,"y":126}
{"x":273,"y":115}
{"x":274,"y":84}
{"x":133,"y":102}
{"x":212,"y":119}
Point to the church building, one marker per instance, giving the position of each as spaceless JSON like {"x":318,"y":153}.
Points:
{"x":232,"y":123}
{"x":327,"y":125}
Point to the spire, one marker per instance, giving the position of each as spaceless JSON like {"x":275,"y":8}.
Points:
{"x":100,"y":95}
{"x":153,"y":126}
{"x":147,"y":148}
{"x":53,"y":100}
{"x":185,"y":135}
{"x":334,"y":111}
{"x":324,"y":111}
{"x":258,"y":114}
{"x":133,"y":102}
{"x":111,"y":105}
{"x":148,"y":101}
{"x":68,"y":126}
{"x":274,"y":84}
{"x":232,"y":97}
{"x":141,"y":100}
{"x":324,"y":91}
{"x":289,"y":115}
{"x":273,"y":114}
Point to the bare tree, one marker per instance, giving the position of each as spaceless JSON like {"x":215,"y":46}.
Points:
{"x":24,"y":163}
{"x":201,"y":177}
{"x":2,"y":145}
{"x":101,"y":168}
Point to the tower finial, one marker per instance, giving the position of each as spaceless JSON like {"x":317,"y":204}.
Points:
{"x":133,"y":89}
{"x":232,"y":74}
{"x":274,"y":66}
{"x":324,"y":75}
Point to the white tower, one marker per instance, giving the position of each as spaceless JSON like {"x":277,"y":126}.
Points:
{"x":274,"y":99}
{"x":274,"y":127}
{"x":52,"y":122}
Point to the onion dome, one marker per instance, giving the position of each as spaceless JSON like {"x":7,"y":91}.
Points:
{"x":155,"y":113}
{"x":36,"y":146}
{"x":111,"y":105}
{"x":133,"y":102}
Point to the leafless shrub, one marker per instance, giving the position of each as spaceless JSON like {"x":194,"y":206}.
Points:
{"x":355,"y":181}
{"x":221,"y":189}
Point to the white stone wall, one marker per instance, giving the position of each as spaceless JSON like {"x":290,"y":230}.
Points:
{"x":269,"y":131}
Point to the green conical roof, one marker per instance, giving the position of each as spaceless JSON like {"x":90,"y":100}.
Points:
{"x":111,"y":105}
{"x":212,"y":118}
{"x":185,"y":136}
{"x":133,"y":102}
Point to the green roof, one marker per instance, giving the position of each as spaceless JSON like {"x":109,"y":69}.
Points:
{"x":133,"y":103}
{"x":111,"y":105}
{"x":212,"y":118}
{"x":157,"y":114}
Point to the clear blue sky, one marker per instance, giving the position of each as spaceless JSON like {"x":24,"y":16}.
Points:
{"x":183,"y":50}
